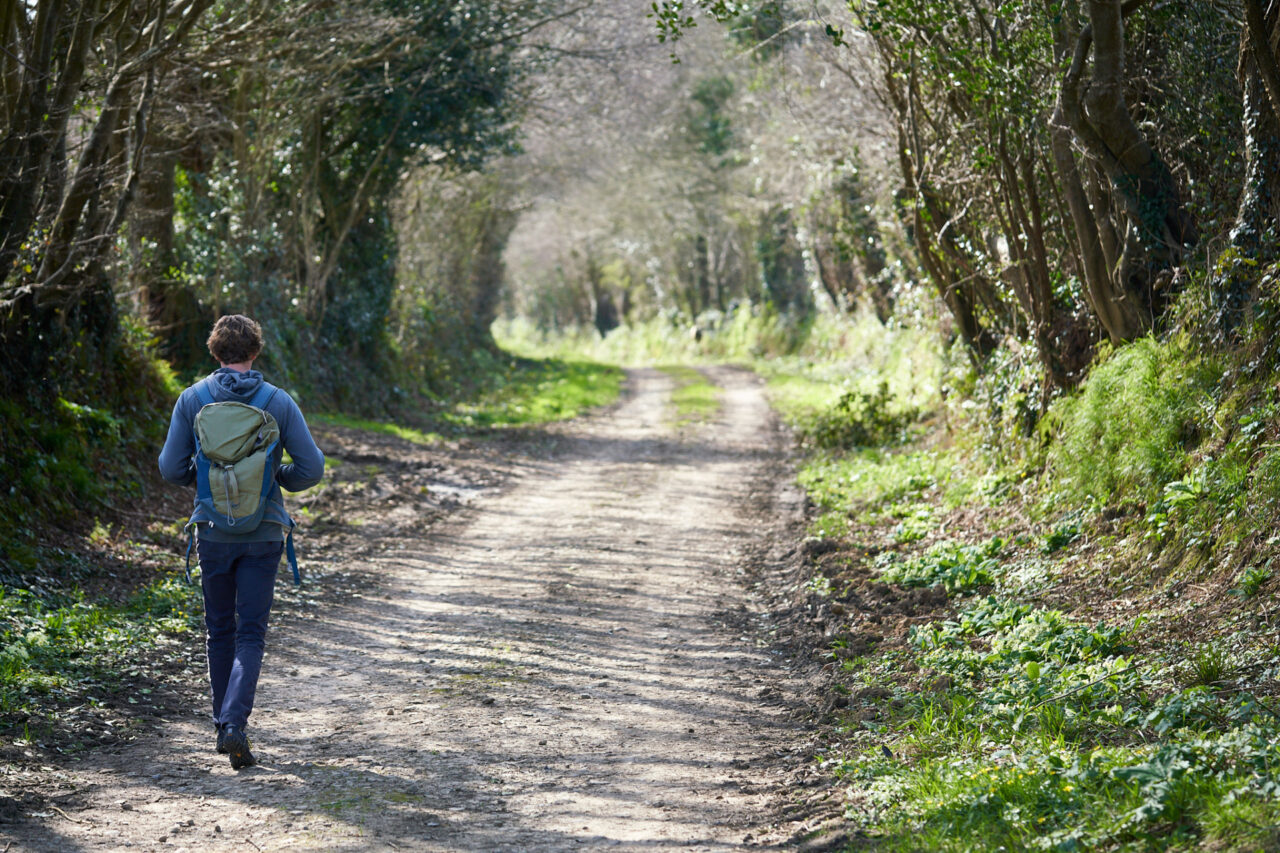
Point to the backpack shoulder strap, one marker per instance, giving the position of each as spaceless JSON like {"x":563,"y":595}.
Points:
{"x":202,"y":392}
{"x":292,"y":557}
{"x":262,"y":398}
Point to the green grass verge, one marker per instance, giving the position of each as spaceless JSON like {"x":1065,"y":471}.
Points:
{"x":799,"y":396}
{"x":868,"y":390}
{"x":871,"y":485}
{"x":526,"y":393}
{"x":694,"y":399}
{"x":538,"y":392}
{"x":830,"y":347}
{"x":416,"y":436}
{"x":1128,"y":430}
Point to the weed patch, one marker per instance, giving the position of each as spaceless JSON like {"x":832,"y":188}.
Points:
{"x":1252,"y":580}
{"x":858,"y":419}
{"x":871,"y":481}
{"x":993,"y":715}
{"x":694,"y":399}
{"x":1029,"y":730}
{"x":60,"y":647}
{"x":956,"y":568}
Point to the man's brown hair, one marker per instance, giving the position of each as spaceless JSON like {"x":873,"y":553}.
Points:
{"x":235,"y":339}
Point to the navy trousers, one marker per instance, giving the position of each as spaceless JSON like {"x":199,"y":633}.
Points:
{"x":239,"y":580}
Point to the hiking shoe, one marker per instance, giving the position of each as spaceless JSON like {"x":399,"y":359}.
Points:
{"x":236,"y":743}
{"x":222,"y":739}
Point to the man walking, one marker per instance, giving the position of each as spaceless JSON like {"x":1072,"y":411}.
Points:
{"x":238,"y":569}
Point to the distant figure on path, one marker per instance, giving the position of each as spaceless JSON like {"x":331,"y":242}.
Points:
{"x":239,"y":551}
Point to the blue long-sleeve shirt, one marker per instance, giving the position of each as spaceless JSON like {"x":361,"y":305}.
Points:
{"x":177,"y":462}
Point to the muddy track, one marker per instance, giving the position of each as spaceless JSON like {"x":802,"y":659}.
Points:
{"x":572,"y":661}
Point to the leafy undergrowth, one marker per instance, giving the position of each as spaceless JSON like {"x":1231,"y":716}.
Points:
{"x":858,"y":419}
{"x":97,"y":637}
{"x":1035,"y":665}
{"x":83,"y":606}
{"x":955,"y":568}
{"x":694,"y":399}
{"x":61,"y":645}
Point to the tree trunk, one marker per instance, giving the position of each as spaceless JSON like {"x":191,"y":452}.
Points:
{"x":1119,"y":297}
{"x":979,"y":341}
{"x":1254,"y":234}
{"x":702,"y":274}
{"x":489,"y":272}
{"x":824,"y":258}
{"x":1158,"y":227}
{"x":1030,"y":273}
{"x":172,"y":312}
{"x":1259,"y":210}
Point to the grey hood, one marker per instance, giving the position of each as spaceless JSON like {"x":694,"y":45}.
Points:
{"x":236,"y":385}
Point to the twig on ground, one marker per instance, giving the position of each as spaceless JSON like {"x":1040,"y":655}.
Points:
{"x":64,"y":814}
{"x":1080,"y":687}
{"x":1267,"y":707}
{"x":255,"y":846}
{"x":1272,"y":828}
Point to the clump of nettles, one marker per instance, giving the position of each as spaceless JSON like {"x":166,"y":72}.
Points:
{"x":859,"y":419}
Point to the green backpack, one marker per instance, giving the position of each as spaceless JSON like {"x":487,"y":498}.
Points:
{"x":235,"y":470}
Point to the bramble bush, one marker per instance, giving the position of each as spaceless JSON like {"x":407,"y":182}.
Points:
{"x":859,"y":419}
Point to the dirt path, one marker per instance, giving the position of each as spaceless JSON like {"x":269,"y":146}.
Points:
{"x":572,"y":663}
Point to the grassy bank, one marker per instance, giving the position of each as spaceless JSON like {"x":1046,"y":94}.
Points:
{"x":1068,"y":645}
{"x":525,"y":392}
